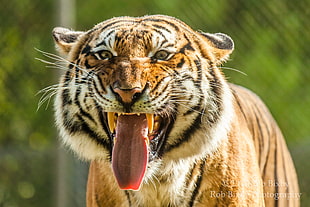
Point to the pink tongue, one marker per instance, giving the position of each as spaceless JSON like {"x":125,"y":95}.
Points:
{"x":130,"y":153}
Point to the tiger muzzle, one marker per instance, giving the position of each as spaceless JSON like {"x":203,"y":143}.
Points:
{"x":128,"y":82}
{"x":127,"y":96}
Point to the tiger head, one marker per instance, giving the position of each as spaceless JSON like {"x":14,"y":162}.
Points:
{"x":142,"y":93}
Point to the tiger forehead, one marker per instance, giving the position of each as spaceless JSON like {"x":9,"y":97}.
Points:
{"x":136,"y":37}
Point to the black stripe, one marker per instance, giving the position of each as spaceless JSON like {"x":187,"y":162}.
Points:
{"x":116,"y":21}
{"x":101,"y":43}
{"x":163,"y":98}
{"x":215,"y":84}
{"x":190,"y":175}
{"x":205,"y":53}
{"x":259,"y":123}
{"x":84,"y":80}
{"x":167,"y":122}
{"x":100,"y":140}
{"x":161,"y":27}
{"x":285,"y":167}
{"x":198,"y":183}
{"x":77,"y":94}
{"x":101,"y":84}
{"x":260,"y":140}
{"x":181,"y":63}
{"x":81,"y":110}
{"x":104,"y":125}
{"x":86,"y":41}
{"x":162,"y":43}
{"x":71,"y":65}
{"x":197,"y":84}
{"x":165,"y":21}
{"x":216,"y":88}
{"x":267,"y":158}
{"x":87,"y":65}
{"x":187,"y":77}
{"x":67,"y":78}
{"x":106,"y":37}
{"x":85,"y":114}
{"x":193,"y":109}
{"x":77,"y":69}
{"x":156,"y":87}
{"x":199,"y":74}
{"x":276,"y":201}
{"x":86,"y":49}
{"x":258,"y":113}
{"x":188,"y":46}
{"x":128,"y":197}
{"x":98,"y":82}
{"x":98,"y":92}
{"x":66,"y":100}
{"x":161,"y":34}
{"x":97,"y":199}
{"x":239,"y":103}
{"x":68,"y":124}
{"x":187,"y":134}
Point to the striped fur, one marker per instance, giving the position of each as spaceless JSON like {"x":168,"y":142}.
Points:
{"x":220,"y":145}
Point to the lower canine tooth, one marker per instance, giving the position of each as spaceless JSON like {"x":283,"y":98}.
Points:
{"x":150,"y":122}
{"x":111,"y":121}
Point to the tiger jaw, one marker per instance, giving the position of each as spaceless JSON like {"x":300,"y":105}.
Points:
{"x":153,"y":121}
{"x":137,"y":138}
{"x":112,"y":120}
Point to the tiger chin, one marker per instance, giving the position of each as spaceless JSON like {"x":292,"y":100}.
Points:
{"x":145,"y":101}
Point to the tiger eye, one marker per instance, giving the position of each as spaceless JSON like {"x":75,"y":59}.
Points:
{"x":161,"y":55}
{"x":105,"y":54}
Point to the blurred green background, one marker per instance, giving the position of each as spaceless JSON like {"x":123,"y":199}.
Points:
{"x":272,"y":47}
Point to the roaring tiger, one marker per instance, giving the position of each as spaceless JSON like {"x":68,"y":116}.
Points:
{"x":144,"y":100}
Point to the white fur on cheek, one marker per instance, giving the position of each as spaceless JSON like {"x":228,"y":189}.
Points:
{"x":83,"y":145}
{"x":207,"y":139}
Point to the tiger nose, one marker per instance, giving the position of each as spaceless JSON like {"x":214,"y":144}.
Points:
{"x":128,"y":95}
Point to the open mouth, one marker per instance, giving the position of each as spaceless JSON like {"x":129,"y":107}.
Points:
{"x":137,"y":139}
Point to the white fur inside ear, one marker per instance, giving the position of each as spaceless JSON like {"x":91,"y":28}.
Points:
{"x":65,"y":39}
{"x":65,"y":35}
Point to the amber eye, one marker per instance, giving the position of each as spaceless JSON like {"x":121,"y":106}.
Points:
{"x":161,"y":55}
{"x":104,"y":55}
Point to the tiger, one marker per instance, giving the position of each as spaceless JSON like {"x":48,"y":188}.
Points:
{"x":145,"y":101}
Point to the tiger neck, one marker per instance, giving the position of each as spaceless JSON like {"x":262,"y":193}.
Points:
{"x":173,"y":186}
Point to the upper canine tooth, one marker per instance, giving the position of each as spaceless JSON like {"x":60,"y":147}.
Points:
{"x":150,"y":122}
{"x":111,"y":121}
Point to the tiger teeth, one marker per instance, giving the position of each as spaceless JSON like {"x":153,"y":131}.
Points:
{"x":150,"y":122}
{"x":111,"y":121}
{"x":119,"y":114}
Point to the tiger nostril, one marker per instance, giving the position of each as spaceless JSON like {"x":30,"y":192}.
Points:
{"x":128,"y":95}
{"x":136,"y":96}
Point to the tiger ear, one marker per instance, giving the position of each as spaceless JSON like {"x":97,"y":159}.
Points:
{"x":222,"y":45}
{"x":65,"y":39}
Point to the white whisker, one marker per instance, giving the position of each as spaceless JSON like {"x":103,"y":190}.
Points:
{"x":233,"y":69}
{"x":61,"y":63}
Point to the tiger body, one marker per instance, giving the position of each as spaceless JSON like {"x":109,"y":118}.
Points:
{"x":144,"y":100}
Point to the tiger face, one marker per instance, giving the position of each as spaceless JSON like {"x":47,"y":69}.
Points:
{"x":142,"y":93}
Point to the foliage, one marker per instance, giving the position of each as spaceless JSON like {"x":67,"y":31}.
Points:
{"x":26,"y":139}
{"x":271,"y":47}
